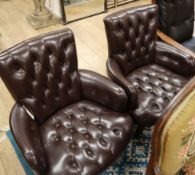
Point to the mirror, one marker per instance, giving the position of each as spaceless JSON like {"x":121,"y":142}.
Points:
{"x":77,"y":9}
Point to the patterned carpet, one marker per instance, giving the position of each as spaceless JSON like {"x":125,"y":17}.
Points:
{"x":132,"y":161}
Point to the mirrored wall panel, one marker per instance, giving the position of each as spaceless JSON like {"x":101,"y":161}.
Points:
{"x":78,"y":9}
{"x":115,"y":3}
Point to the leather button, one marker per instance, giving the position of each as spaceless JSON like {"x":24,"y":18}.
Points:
{"x":85,"y":122}
{"x":72,"y":145}
{"x":57,"y":139}
{"x":116,"y":131}
{"x":155,"y":106}
{"x":89,"y":152}
{"x":57,"y":125}
{"x":69,"y":140}
{"x":103,"y":142}
{"x":71,"y":130}
{"x":99,"y":126}
{"x":70,"y":116}
{"x":74,"y":164}
{"x":87,"y":136}
{"x":83,"y":131}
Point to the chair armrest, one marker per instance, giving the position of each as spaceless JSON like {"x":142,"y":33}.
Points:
{"x":174,"y":43}
{"x":175,"y":59}
{"x":116,"y":75}
{"x":102,"y":90}
{"x":26,"y":134}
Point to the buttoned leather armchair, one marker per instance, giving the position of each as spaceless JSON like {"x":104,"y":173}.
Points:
{"x":176,"y":19}
{"x":65,"y":121}
{"x":151,"y":72}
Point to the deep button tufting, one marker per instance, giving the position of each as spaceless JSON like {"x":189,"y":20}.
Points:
{"x":49,"y":75}
{"x":73,"y":145}
{"x":87,"y":135}
{"x":145,"y":78}
{"x":103,"y":142}
{"x":97,"y":111}
{"x":72,"y":130}
{"x":68,"y":125}
{"x":16,"y":66}
{"x":85,"y":122}
{"x":166,"y":99}
{"x":99,"y":126}
{"x":69,"y":140}
{"x":74,"y":164}
{"x":70,"y":116}
{"x":49,"y":51}
{"x":57,"y":125}
{"x":116,"y":131}
{"x":158,"y":83}
{"x":160,"y":89}
{"x":135,"y":84}
{"x":60,"y":85}
{"x":57,"y":139}
{"x":147,"y":88}
{"x":90,"y":153}
{"x":46,"y":91}
{"x":83,"y":131}
{"x":88,"y":142}
{"x":176,"y":82}
{"x":155,"y":106}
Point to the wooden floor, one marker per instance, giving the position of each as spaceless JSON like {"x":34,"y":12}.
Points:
{"x":14,"y":28}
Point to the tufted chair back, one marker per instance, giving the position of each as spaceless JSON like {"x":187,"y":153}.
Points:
{"x":176,"y":18}
{"x":131,"y":37}
{"x":41,"y":73}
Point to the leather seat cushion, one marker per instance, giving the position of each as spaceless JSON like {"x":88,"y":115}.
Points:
{"x":190,"y":44}
{"x":156,"y":87}
{"x":86,"y":136}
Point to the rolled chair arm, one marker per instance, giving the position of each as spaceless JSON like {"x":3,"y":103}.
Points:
{"x":115,"y":73}
{"x":175,"y":59}
{"x":26,"y":134}
{"x":102,"y":90}
{"x":162,"y":36}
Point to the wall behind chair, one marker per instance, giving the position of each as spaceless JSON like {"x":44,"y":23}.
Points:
{"x":54,"y":7}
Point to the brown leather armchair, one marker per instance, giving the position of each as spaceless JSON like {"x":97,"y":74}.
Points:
{"x":151,"y":72}
{"x":65,"y":121}
{"x":176,"y":19}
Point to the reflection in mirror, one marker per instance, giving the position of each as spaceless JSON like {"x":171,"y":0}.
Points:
{"x":78,"y":9}
{"x":115,"y":3}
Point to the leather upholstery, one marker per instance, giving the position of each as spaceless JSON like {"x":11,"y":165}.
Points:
{"x":91,"y":134}
{"x":131,"y":37}
{"x":65,"y":121}
{"x":176,"y":19}
{"x":44,"y":72}
{"x":151,"y":72}
{"x":156,"y":87}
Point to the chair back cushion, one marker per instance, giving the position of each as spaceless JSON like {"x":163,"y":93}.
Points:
{"x":41,"y":73}
{"x":176,"y":18}
{"x":131,"y":36}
